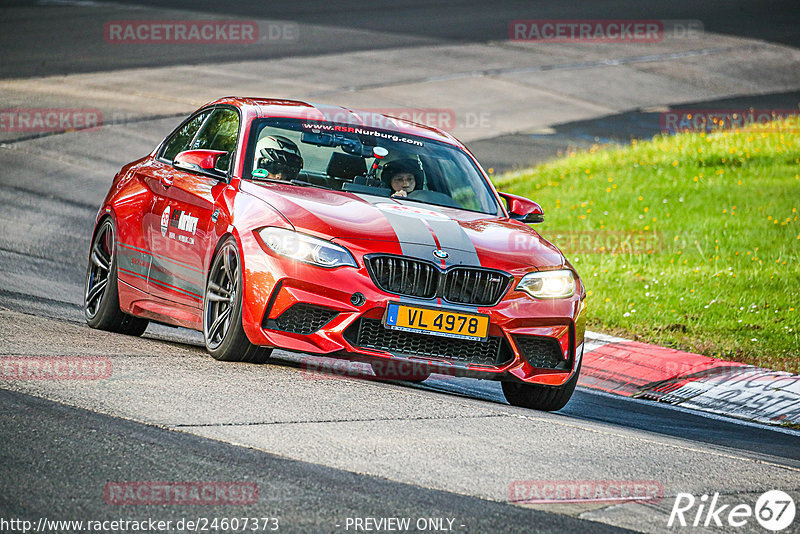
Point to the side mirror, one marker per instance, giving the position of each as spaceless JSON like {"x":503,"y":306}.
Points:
{"x":523,"y":210}
{"x":200,"y":161}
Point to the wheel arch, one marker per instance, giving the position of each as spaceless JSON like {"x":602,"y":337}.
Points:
{"x":232,"y":233}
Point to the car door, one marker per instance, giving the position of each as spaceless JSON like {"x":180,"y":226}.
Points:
{"x":136,"y":222}
{"x":184,"y":212}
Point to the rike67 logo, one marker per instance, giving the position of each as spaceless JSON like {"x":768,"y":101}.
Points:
{"x":774,"y":511}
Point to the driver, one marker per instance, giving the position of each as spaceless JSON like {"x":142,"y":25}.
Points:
{"x":280,"y":157}
{"x":403,"y":176}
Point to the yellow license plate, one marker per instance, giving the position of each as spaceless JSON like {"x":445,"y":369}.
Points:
{"x":436,"y":321}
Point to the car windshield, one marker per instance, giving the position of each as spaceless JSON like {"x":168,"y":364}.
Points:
{"x":367,"y":160}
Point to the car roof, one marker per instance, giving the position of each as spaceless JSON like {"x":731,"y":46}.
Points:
{"x":296,"y":109}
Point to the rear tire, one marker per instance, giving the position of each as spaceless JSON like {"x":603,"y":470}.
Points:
{"x":540,"y":397}
{"x":222,"y":310}
{"x":101,"y":292}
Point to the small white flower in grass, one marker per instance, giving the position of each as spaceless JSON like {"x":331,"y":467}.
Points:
{"x":626,"y":314}
{"x":753,"y":339}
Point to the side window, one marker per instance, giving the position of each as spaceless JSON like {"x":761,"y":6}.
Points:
{"x":220,"y":132}
{"x":180,"y":140}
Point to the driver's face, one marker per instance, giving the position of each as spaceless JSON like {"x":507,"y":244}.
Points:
{"x":404,"y":181}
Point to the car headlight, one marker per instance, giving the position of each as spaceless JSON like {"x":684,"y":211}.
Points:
{"x":305,"y":248}
{"x":548,"y":284}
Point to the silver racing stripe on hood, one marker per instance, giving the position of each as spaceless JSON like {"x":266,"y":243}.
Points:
{"x":418,"y":229}
{"x":455,"y":241}
{"x":411,"y":231}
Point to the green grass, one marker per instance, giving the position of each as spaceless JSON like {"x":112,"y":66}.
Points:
{"x":714,"y":221}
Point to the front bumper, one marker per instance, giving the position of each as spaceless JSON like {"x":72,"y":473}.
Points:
{"x":299,"y":307}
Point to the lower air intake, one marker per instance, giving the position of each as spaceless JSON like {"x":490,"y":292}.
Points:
{"x":371,"y":334}
{"x":542,"y":352}
{"x":302,"y":319}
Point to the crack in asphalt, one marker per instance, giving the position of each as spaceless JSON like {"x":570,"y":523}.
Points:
{"x":28,"y":255}
{"x":123,"y":122}
{"x":27,"y":296}
{"x":91,"y":208}
{"x":671,"y":56}
{"x":366,"y":420}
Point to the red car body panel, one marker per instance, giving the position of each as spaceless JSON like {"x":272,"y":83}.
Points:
{"x":169,"y":223}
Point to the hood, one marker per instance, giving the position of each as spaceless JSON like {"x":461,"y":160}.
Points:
{"x":467,"y":237}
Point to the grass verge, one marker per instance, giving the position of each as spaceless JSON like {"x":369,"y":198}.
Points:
{"x":689,"y":241}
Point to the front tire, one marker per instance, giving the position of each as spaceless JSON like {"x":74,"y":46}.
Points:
{"x":222,"y":310}
{"x":101,"y":292}
{"x":541,"y":397}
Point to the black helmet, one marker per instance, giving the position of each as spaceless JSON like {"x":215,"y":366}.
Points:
{"x":410,"y":166}
{"x":280,"y":155}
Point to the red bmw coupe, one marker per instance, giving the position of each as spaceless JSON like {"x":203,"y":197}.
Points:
{"x":330,"y":231}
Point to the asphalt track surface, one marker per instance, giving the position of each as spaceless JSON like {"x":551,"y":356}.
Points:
{"x":304,"y":497}
{"x":320,"y":448}
{"x":46,"y":40}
